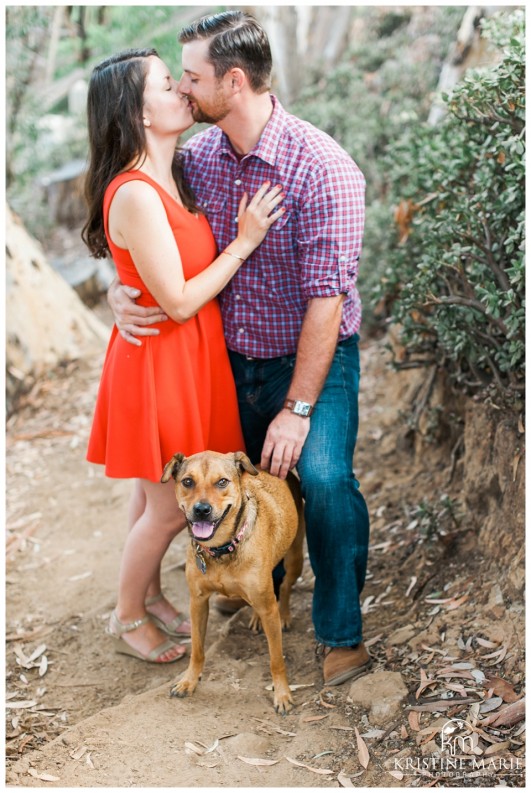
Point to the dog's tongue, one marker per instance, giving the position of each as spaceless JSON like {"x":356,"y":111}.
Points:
{"x":203,"y":530}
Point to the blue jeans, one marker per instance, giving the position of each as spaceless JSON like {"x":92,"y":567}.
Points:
{"x":337,"y":520}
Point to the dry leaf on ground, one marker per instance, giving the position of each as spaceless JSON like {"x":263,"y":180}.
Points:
{"x":363,"y":752}
{"x":308,"y":767}
{"x":344,"y":780}
{"x":22,"y":704}
{"x":44,"y":777}
{"x":490,"y":704}
{"x":256,"y":760}
{"x":414,"y":720}
{"x":396,"y":774}
{"x":503,"y":689}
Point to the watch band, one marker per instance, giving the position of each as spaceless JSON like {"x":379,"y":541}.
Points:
{"x":299,"y":407}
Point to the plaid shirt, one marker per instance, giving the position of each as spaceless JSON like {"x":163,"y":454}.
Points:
{"x":311,"y":251}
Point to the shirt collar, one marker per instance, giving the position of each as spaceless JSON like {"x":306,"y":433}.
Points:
{"x":267,"y":147}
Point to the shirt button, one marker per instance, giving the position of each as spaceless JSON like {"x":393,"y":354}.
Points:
{"x":238,"y":181}
{"x":235,"y":220}
{"x":241,"y":330}
{"x":342,"y":258}
{"x":238,"y":297}
{"x":205,"y":204}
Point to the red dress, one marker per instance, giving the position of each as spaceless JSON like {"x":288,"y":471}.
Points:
{"x":176,"y":392}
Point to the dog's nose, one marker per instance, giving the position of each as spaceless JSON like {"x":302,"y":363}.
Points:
{"x":202,"y":510}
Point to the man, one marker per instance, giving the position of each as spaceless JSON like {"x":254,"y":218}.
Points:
{"x":292,"y":313}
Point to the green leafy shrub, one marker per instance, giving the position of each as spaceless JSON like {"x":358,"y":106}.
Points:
{"x":456,"y":282}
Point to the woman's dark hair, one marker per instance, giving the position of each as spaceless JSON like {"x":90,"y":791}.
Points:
{"x":117,"y":137}
{"x":236,"y":40}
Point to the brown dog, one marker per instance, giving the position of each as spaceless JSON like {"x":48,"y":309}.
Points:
{"x":242,"y":523}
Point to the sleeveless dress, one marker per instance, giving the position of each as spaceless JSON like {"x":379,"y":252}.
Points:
{"x":176,"y":392}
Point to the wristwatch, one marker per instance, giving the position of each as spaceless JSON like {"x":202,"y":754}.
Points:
{"x":298,"y":407}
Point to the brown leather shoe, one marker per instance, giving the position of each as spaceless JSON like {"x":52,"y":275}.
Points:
{"x":227,"y":605}
{"x":345,"y":663}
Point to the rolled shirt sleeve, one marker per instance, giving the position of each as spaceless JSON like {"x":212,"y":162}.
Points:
{"x":330,"y":229}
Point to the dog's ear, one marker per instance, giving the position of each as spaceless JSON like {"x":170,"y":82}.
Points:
{"x":172,"y":468}
{"x":243,"y":463}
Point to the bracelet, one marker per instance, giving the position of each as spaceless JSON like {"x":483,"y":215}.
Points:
{"x":241,"y":258}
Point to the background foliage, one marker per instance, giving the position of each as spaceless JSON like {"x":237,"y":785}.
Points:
{"x":456,"y":282}
{"x":39,"y":70}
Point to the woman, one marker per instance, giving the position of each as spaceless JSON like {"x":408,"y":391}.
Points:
{"x":175,"y":392}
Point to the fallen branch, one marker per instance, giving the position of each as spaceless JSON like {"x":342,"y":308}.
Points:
{"x":508,"y":716}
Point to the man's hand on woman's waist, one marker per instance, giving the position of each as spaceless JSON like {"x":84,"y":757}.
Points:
{"x":131,"y":319}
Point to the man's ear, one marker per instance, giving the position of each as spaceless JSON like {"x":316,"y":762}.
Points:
{"x":243,"y":463}
{"x":171,"y":469}
{"x":237,"y":79}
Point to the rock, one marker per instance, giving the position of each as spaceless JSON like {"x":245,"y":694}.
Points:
{"x":65,"y":196}
{"x":247,"y":744}
{"x":46,"y":321}
{"x":402,"y":635}
{"x":496,"y":605}
{"x":430,"y":748}
{"x":424,"y":637}
{"x":382,"y":693}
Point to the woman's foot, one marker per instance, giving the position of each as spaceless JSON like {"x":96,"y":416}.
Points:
{"x":166,"y":617}
{"x":144,"y":640}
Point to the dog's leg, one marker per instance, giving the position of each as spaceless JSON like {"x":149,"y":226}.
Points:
{"x":254,"y":623}
{"x":270,"y":618}
{"x":293,"y":562}
{"x":199,"y":619}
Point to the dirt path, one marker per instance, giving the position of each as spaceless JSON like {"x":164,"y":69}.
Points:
{"x":80,"y":715}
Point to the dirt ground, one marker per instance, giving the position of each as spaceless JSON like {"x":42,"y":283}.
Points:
{"x":79,"y":715}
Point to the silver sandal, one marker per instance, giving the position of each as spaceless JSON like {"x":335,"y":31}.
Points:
{"x":169,"y":628}
{"x":116,"y":629}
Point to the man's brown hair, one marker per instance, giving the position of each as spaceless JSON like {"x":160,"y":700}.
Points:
{"x":237,"y":40}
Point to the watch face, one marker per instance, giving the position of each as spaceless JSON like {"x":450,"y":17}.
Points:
{"x":302,"y":408}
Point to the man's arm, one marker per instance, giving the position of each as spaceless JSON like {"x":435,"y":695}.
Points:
{"x":132,"y":320}
{"x":315,"y":351}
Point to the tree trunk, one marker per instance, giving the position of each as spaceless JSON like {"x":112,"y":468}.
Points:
{"x":46,"y":322}
{"x":301,"y":37}
{"x":467,"y":52}
{"x":55,"y":34}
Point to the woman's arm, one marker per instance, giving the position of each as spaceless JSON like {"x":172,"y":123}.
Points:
{"x":138,"y":222}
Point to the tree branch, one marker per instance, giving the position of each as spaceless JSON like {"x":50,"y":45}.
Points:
{"x":454,"y":300}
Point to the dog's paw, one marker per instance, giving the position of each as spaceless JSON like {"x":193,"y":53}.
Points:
{"x":285,"y":621}
{"x":181,"y":689}
{"x":283,"y":703}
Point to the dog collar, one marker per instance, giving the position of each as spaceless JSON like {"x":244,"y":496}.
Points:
{"x":215,"y":553}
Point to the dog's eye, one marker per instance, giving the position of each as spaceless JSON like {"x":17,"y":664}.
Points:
{"x":222,"y":483}
{"x":187,"y":482}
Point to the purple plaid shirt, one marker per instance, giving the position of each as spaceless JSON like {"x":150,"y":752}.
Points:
{"x":311,"y":251}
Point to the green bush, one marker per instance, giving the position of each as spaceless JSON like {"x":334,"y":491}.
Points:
{"x":457,"y":281}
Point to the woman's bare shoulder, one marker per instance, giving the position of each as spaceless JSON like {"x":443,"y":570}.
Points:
{"x":136,"y":193}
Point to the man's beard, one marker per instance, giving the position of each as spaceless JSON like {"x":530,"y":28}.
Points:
{"x":217,"y":111}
